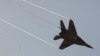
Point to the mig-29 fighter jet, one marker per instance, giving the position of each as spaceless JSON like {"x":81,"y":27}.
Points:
{"x":70,"y":36}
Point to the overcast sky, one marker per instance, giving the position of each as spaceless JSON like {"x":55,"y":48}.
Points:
{"x":27,"y":27}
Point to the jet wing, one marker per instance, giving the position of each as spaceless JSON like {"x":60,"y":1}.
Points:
{"x":65,"y":44}
{"x":62,"y":24}
{"x":63,"y":28}
{"x":71,"y":27}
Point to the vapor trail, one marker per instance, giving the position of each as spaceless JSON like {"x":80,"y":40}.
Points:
{"x":44,"y":9}
{"x":26,"y":32}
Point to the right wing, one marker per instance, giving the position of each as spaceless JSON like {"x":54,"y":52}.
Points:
{"x":65,"y":44}
{"x":71,"y":27}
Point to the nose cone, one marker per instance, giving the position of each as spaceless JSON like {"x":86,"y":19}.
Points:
{"x":89,"y":46}
{"x":83,"y":43}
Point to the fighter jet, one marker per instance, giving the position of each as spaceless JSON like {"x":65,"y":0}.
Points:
{"x":70,"y":36}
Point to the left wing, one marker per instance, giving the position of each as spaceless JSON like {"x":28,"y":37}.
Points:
{"x":63,"y":28}
{"x":65,"y":44}
{"x":62,"y":24}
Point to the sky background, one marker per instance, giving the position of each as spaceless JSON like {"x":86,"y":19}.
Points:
{"x":27,"y":27}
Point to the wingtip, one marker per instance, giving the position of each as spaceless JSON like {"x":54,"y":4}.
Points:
{"x":61,"y":20}
{"x":71,"y":20}
{"x":60,"y":48}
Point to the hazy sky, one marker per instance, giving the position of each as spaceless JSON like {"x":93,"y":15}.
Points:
{"x":29,"y":26}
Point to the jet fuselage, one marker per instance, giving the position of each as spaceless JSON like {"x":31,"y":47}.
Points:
{"x":70,"y":36}
{"x":67,"y":35}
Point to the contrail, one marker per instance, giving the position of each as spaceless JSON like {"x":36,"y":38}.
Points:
{"x":44,"y":9}
{"x":27,"y":32}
